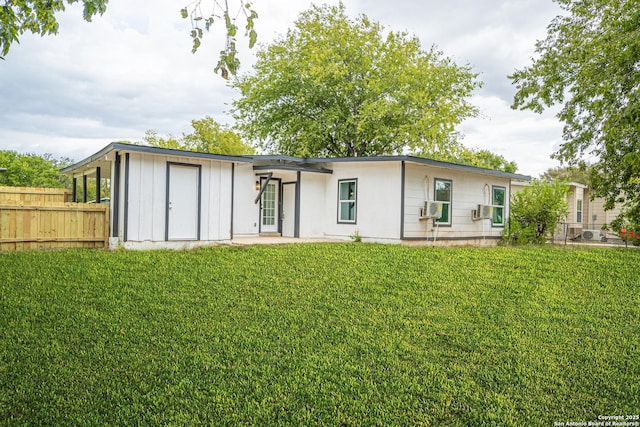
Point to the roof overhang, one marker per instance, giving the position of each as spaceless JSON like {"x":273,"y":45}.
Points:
{"x":424,"y":161}
{"x":263,"y":163}
{"x":104,"y":157}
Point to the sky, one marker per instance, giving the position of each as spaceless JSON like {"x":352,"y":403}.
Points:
{"x":132,"y":70}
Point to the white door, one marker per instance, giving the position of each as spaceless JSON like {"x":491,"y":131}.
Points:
{"x":183,"y":204}
{"x":288,"y":209}
{"x":269,"y":213}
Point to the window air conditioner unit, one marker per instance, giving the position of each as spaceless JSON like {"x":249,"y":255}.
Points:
{"x":592,"y":235}
{"x":483,"y":212}
{"x":431,"y":210}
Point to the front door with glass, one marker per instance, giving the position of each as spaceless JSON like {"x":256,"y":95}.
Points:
{"x":269,"y":214}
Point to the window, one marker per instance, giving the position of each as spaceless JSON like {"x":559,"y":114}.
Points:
{"x":269,"y":205}
{"x":443,"y":194}
{"x":579,"y":211}
{"x":498,"y":196}
{"x":347,"y":192}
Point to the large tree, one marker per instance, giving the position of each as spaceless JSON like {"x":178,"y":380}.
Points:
{"x":333,"y":86}
{"x":39,"y":17}
{"x":31,"y":170}
{"x":208,"y":136}
{"x":590,"y":64}
{"x":580,"y":175}
{"x":484,"y":159}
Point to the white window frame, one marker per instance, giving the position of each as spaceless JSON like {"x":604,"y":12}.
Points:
{"x":353,"y":201}
{"x":497,"y":206}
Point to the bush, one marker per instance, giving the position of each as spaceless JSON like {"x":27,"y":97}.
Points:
{"x":536,"y":212}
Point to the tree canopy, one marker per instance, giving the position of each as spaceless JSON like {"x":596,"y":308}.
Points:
{"x":580,"y":175}
{"x":31,"y":170}
{"x":334,"y":86}
{"x":208,"y":136}
{"x":484,"y":159}
{"x":590,"y":64}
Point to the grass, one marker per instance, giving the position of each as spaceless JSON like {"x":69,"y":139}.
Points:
{"x":327,"y":334}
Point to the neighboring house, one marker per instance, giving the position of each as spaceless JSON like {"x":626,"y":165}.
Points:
{"x":595,"y":219}
{"x":586,"y":218}
{"x":171,"y":198}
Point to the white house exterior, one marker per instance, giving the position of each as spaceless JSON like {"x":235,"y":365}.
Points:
{"x":171,"y":198}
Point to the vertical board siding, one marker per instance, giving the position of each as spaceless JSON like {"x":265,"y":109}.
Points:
{"x":40,"y":219}
{"x":147,"y":201}
{"x":377,"y":200}
{"x":468,"y":190}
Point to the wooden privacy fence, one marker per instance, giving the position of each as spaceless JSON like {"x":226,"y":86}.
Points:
{"x":40,"y":218}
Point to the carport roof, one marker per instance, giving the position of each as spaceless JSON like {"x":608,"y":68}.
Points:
{"x":123,"y":146}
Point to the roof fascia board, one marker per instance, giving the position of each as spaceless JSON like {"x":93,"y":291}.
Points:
{"x":294,"y":163}
{"x":106,"y":150}
{"x":292,"y":168}
{"x":120,"y":146}
{"x":182,"y":153}
{"x":423,"y":161}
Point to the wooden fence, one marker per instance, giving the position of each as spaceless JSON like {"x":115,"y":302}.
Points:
{"x":34,"y":194}
{"x":40,"y":218}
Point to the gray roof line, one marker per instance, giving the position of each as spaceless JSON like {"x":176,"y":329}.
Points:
{"x":424,"y":161}
{"x":123,"y":146}
{"x":300,"y":167}
{"x":289,"y":161}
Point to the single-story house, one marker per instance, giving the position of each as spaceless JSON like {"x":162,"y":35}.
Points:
{"x":172,"y":198}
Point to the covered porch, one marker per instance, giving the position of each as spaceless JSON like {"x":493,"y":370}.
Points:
{"x":91,"y":182}
{"x":280,"y":182}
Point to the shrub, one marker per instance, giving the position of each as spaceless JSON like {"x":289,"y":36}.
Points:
{"x":536,"y":212}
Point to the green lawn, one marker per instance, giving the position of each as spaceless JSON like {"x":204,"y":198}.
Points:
{"x":319,"y":334}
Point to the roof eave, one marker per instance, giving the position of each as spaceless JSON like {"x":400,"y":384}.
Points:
{"x":121,"y":146}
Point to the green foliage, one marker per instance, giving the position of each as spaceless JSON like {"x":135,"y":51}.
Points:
{"x":484,"y":159}
{"x":580,"y":174}
{"x":221,"y":337}
{"x":152,"y":138}
{"x":228,"y":62}
{"x":536,"y":211}
{"x":589,"y":63}
{"x":627,"y":224}
{"x":208,"y":136}
{"x":334,"y":86}
{"x":38,"y":17}
{"x":31,"y":170}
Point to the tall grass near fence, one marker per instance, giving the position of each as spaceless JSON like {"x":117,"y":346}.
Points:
{"x":344,"y":334}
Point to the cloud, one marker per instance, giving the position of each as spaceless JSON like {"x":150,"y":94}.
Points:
{"x":132,"y":70}
{"x":527,"y":138}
